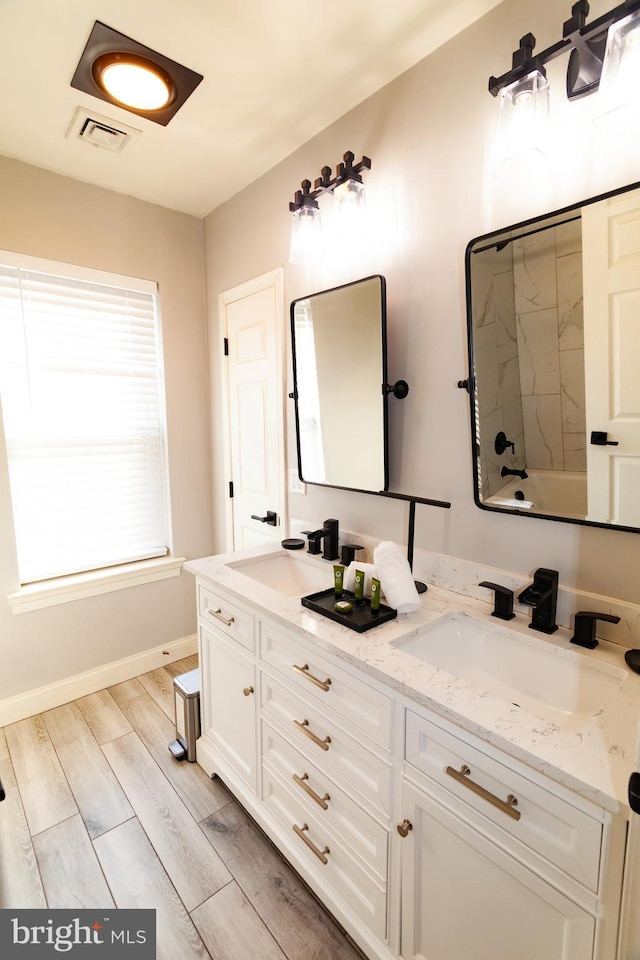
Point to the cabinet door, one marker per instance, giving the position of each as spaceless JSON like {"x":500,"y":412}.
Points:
{"x":464,"y":898}
{"x":229,"y":720}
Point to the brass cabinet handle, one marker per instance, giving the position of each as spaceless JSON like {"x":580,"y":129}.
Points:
{"x":303,"y":725}
{"x":248,"y":691}
{"x":320,"y":854}
{"x":218,"y":615}
{"x":304,"y":670}
{"x":321,"y":801}
{"x":404,"y":827}
{"x":462,"y":776}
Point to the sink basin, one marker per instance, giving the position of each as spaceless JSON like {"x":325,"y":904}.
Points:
{"x":293,"y":574}
{"x":540,"y":677}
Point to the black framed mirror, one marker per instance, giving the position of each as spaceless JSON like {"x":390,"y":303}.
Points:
{"x":339,"y":345}
{"x":553,"y":322}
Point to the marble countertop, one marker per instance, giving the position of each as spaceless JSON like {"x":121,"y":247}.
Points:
{"x":595,"y":760}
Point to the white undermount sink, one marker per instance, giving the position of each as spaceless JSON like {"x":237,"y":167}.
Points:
{"x":537,"y":675}
{"x":294,"y":574}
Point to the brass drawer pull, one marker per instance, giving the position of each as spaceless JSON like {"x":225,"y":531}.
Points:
{"x":462,"y":776}
{"x":304,"y":670}
{"x":320,"y":854}
{"x":321,"y":801}
{"x":248,"y":691}
{"x":404,"y":827}
{"x":218,"y":615}
{"x":304,"y":727}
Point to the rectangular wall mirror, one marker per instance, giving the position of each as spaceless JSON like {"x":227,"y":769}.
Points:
{"x":339,"y":348}
{"x":553,"y":319}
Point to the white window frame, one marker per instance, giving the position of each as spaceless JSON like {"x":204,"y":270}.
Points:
{"x":71,"y":587}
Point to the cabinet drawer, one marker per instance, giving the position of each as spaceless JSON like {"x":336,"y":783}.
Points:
{"x":554,"y":828}
{"x":226,"y":616}
{"x":333,"y":751}
{"x":356,"y":704}
{"x":322,"y":799}
{"x":325,"y":856}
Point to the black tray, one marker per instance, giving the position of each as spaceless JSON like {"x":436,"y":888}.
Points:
{"x":361,"y":618}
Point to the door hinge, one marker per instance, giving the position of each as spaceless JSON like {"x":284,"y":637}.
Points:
{"x":226,"y":346}
{"x":231,"y":489}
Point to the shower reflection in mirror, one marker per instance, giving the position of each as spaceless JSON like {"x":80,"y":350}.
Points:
{"x":554,"y":349}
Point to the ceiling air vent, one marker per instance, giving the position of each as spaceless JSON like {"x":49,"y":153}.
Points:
{"x":101,"y":132}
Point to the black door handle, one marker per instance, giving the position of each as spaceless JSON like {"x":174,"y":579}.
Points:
{"x":634,"y":792}
{"x":271,"y":518}
{"x":599,"y":439}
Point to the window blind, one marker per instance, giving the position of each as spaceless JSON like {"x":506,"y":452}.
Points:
{"x":81,"y":393}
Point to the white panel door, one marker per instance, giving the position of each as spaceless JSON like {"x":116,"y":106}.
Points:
{"x":252,"y":322}
{"x":611,"y":265}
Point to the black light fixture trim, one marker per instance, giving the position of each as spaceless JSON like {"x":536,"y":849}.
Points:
{"x":105,"y":42}
{"x":587,"y":43}
{"x":347,"y":170}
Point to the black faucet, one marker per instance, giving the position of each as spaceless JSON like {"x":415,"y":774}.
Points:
{"x":584,"y":630}
{"x":542,"y":597}
{"x":503,"y":600}
{"x":329,"y":537}
{"x":506,"y":472}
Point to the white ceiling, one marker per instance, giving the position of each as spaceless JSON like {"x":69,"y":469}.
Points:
{"x":276,"y":72}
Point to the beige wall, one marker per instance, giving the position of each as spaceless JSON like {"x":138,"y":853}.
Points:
{"x":49,"y":216}
{"x":431,"y":191}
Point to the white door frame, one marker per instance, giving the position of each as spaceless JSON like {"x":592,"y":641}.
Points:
{"x":274,"y":279}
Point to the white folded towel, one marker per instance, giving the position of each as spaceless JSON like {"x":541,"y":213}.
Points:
{"x":396,"y":579}
{"x":369,"y":571}
{"x":512,"y":502}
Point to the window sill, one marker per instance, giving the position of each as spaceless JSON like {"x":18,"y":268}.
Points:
{"x":81,"y":585}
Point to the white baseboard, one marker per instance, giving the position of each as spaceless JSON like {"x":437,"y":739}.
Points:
{"x":82,"y":684}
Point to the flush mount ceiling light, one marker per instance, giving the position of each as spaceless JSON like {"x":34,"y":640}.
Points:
{"x":348,"y":190}
{"x":119,"y":70}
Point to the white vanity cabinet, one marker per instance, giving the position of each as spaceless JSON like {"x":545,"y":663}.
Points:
{"x":226,"y":642}
{"x":423,"y":840}
{"x":495,"y":863}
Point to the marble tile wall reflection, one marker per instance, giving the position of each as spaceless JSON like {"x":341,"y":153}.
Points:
{"x":496,"y":364}
{"x":547,"y":271}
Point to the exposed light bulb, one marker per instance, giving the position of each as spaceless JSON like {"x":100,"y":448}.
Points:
{"x":618,"y":96}
{"x":523,"y":98}
{"x":522,"y":135}
{"x":350,"y":206}
{"x":305,"y":235}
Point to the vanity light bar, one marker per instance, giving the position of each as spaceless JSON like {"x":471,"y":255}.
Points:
{"x":345,"y":171}
{"x":587,"y":44}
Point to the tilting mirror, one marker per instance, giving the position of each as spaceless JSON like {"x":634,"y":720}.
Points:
{"x":339,"y":371}
{"x":553,"y":313}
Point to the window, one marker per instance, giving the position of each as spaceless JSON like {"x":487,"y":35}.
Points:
{"x":83,"y":411}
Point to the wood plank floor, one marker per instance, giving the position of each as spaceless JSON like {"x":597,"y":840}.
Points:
{"x":99,"y":813}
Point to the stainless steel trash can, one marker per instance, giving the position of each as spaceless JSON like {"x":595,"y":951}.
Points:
{"x":186,"y":696}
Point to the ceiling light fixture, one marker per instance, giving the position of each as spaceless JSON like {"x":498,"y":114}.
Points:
{"x":119,"y":70}
{"x":348,"y":190}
